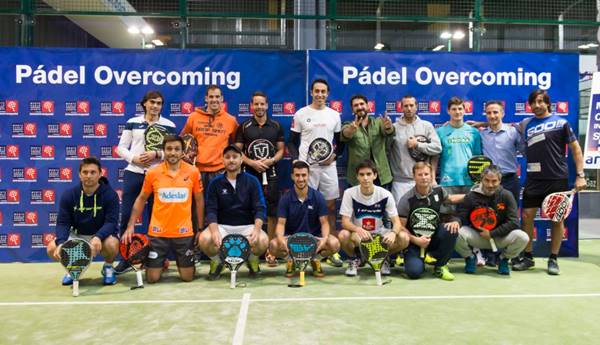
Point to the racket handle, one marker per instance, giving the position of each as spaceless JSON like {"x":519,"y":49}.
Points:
{"x":493,"y":244}
{"x":232,"y":280}
{"x":75,"y":288}
{"x":264,"y":178}
{"x":422,"y":253}
{"x":138,"y":278}
{"x":378,"y":278}
{"x":301,"y":283}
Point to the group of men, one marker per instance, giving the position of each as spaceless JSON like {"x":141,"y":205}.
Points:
{"x":392,"y":169}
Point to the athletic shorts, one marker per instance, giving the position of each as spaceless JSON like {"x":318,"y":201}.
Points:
{"x":272,"y":196}
{"x":536,"y":190}
{"x":86,"y":238}
{"x":245,"y":230}
{"x":183,"y":247}
{"x":325,"y":180}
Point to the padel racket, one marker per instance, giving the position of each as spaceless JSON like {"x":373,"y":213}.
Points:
{"x":374,"y":252}
{"x":190,"y":148}
{"x":424,"y":222}
{"x":557,"y":206}
{"x":154,"y":136}
{"x":134,"y":253}
{"x":261,"y":149}
{"x":75,"y":257}
{"x":417,"y":155}
{"x":484,"y":219}
{"x":476,"y":165}
{"x":234,"y":251}
{"x":319,"y":151}
{"x":302,"y":248}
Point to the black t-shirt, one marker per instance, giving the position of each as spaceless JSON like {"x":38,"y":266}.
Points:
{"x":411,"y":201}
{"x":250,"y":130}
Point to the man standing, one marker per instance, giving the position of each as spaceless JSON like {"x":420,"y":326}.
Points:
{"x":363,"y":210}
{"x":506,"y":234}
{"x":546,"y":136}
{"x":460,"y":142}
{"x":132,"y":148}
{"x":173,"y":184}
{"x":441,"y":244}
{"x":317,"y":121}
{"x":415,"y":140}
{"x":366,"y":137}
{"x":235,"y":205}
{"x":303,"y":209}
{"x":89,"y":211}
{"x":262,"y":127}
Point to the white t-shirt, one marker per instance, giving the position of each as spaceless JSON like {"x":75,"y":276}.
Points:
{"x":312,"y":124}
{"x":368,"y":212}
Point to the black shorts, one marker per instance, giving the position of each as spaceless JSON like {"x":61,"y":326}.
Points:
{"x":183,"y":247}
{"x":536,"y":190}
{"x":272,"y":196}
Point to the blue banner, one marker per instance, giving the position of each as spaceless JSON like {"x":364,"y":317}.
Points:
{"x":433,"y":78}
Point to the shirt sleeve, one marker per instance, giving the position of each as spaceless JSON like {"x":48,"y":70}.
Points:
{"x":111,"y":216}
{"x":147,"y":186}
{"x":403,"y":207}
{"x":338,"y":123}
{"x":212,"y":203}
{"x":569,"y":134}
{"x":390,"y":206}
{"x":197,"y":186}
{"x":296,"y":125}
{"x":322,"y":205}
{"x":125,"y":143}
{"x":239,"y":134}
{"x":283,"y":206}
{"x":64,"y":220}
{"x":346,"y":206}
{"x":476,"y":142}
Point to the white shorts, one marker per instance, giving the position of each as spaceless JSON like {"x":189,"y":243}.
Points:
{"x":325,"y":180}
{"x":401,"y":188}
{"x":245,"y":230}
{"x":86,"y":238}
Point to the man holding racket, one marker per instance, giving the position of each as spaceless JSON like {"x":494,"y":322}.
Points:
{"x":89,"y":211}
{"x":415,"y":140}
{"x":235,"y":205}
{"x":314,"y":133}
{"x":303,"y":209}
{"x":546,"y":136}
{"x":366,"y":139}
{"x":262,"y":138}
{"x":491,"y":212}
{"x":173,"y":184}
{"x":363,"y":210}
{"x":421,"y":207}
{"x":141,"y":157}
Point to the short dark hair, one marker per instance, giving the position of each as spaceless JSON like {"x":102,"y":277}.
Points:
{"x":90,"y":160}
{"x":358,"y":96}
{"x":492,"y":169}
{"x":213,"y":87}
{"x":494,"y":102}
{"x":171,"y":138}
{"x":422,"y":165}
{"x":300,"y":165}
{"x":259,"y":94}
{"x":408,"y":95}
{"x":534,"y":94}
{"x":367,"y":163}
{"x":455,"y":101}
{"x":322,"y":81}
{"x":151,"y":95}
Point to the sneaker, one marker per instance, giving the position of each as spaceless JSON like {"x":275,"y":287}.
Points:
{"x":503,"y":267}
{"x":67,"y":280}
{"x":430,"y":260}
{"x":385,"y":268}
{"x":317,"y":270}
{"x":443,"y":273}
{"x":270,"y":259}
{"x":253,"y":267}
{"x":524,"y":263}
{"x":553,"y":267}
{"x":335,"y":260}
{"x":470,"y":264}
{"x":290,"y":270}
{"x":399,"y":260}
{"x":352,"y":269}
{"x":123,"y":267}
{"x":110,"y":278}
{"x":215,"y":270}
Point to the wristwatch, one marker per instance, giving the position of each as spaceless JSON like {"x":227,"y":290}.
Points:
{"x":581,"y":174}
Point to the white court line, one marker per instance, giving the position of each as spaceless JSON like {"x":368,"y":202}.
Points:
{"x":307,"y":299}
{"x":238,"y":337}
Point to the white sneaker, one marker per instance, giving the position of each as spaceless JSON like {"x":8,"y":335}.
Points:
{"x":352,"y":269}
{"x":385,"y":268}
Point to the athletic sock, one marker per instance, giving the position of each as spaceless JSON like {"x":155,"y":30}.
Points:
{"x":216,"y":258}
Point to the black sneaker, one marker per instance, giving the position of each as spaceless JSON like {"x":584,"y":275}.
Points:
{"x":215,"y":270}
{"x":553,"y":269}
{"x":123,"y":267}
{"x":524,"y":263}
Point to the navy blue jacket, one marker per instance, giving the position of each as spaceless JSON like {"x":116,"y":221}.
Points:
{"x":239,"y":206}
{"x":96,"y":214}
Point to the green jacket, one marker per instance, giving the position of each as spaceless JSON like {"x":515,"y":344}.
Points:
{"x":369,"y":143}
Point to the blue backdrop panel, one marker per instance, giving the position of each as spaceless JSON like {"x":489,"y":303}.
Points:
{"x":59,"y":105}
{"x":433,"y":78}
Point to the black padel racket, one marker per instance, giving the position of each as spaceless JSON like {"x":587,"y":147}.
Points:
{"x":190,"y":148}
{"x":476,"y":165}
{"x":234,"y":251}
{"x":484,"y":219}
{"x":424,"y":222}
{"x":374,"y":252}
{"x":302,"y":248}
{"x":154,"y":136}
{"x":417,"y":155}
{"x":319,"y":151}
{"x":134,"y":253}
{"x":75,"y":257}
{"x":262,"y":149}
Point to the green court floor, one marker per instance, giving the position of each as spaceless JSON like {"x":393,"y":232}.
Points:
{"x":526,"y":308}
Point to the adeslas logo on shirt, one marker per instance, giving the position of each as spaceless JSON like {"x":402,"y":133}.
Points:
{"x":173,"y":195}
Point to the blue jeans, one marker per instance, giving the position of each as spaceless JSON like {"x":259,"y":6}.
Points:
{"x":511,"y":183}
{"x":441,"y":248}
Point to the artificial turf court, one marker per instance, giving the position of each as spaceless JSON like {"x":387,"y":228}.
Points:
{"x":527,"y":308}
